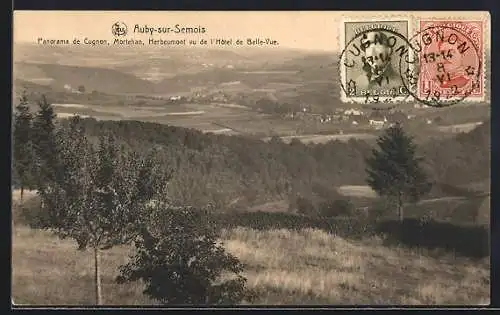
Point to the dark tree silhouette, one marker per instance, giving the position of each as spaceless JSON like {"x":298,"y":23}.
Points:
{"x":181,"y":260}
{"x":22,"y":145}
{"x":394,"y":170}
{"x":45,"y":145}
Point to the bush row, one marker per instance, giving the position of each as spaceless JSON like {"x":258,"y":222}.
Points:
{"x":464,"y":240}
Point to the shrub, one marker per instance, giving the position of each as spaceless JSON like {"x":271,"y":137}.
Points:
{"x":351,"y":227}
{"x":181,"y":262}
{"x":305,"y":206}
{"x":30,"y":213}
{"x":339,"y":207}
{"x":380,"y":209}
{"x":467,"y":240}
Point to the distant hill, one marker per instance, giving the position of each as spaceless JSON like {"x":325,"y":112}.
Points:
{"x":162,"y":71}
{"x":312,"y":62}
{"x":144,"y":63}
{"x":117,"y":82}
{"x":22,"y":85}
{"x":99,"y":79}
{"x":282,"y":75}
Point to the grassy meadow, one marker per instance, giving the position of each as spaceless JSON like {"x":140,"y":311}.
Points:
{"x":308,"y":266}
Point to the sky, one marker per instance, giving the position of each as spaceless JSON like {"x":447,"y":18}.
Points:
{"x":313,"y":30}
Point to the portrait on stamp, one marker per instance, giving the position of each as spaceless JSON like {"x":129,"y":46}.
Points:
{"x":370,"y":60}
{"x":377,"y":66}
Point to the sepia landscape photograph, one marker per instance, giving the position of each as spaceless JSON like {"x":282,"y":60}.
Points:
{"x":218,"y":158}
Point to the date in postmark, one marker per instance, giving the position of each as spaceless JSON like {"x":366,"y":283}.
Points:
{"x":369,"y":62}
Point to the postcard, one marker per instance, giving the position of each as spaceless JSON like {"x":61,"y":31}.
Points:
{"x":305,"y":158}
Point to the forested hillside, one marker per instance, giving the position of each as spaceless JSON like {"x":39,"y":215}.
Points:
{"x":234,"y":171}
{"x":237,"y":170}
{"x":463,"y":159}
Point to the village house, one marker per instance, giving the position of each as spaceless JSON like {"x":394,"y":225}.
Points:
{"x":326,"y":118}
{"x":69,"y":88}
{"x":377,"y":120}
{"x":378,"y":123}
{"x":299,"y":115}
{"x":317,"y":117}
{"x":353,"y":112}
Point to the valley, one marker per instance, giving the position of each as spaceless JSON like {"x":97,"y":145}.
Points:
{"x":255,"y":92}
{"x":262,"y":137}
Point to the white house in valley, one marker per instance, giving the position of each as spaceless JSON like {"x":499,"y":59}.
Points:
{"x":378,"y":123}
{"x":353,"y":112}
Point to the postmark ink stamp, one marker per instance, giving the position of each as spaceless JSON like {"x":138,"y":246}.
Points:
{"x":450,"y":58}
{"x":369,"y":61}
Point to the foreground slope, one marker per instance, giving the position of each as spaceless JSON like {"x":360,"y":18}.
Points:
{"x":282,"y":266}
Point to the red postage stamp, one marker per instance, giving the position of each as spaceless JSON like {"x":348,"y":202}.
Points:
{"x":451,"y":60}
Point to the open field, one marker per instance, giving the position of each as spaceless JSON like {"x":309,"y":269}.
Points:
{"x":282,"y":86}
{"x":460,"y":127}
{"x":319,"y":268}
{"x":272,"y":206}
{"x":218,"y":118}
{"x":283,"y":267}
{"x":458,"y":210}
{"x":307,"y":266}
{"x":225,"y":131}
{"x":239,"y":119}
{"x":326,"y":138}
{"x":68,"y":115}
{"x":242,"y":120}
{"x":357,"y":191}
{"x":54,"y":272}
{"x":463,"y":113}
{"x":484,"y":185}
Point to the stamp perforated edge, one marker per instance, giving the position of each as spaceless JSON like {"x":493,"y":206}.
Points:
{"x":342,"y":45}
{"x":486,"y":20}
